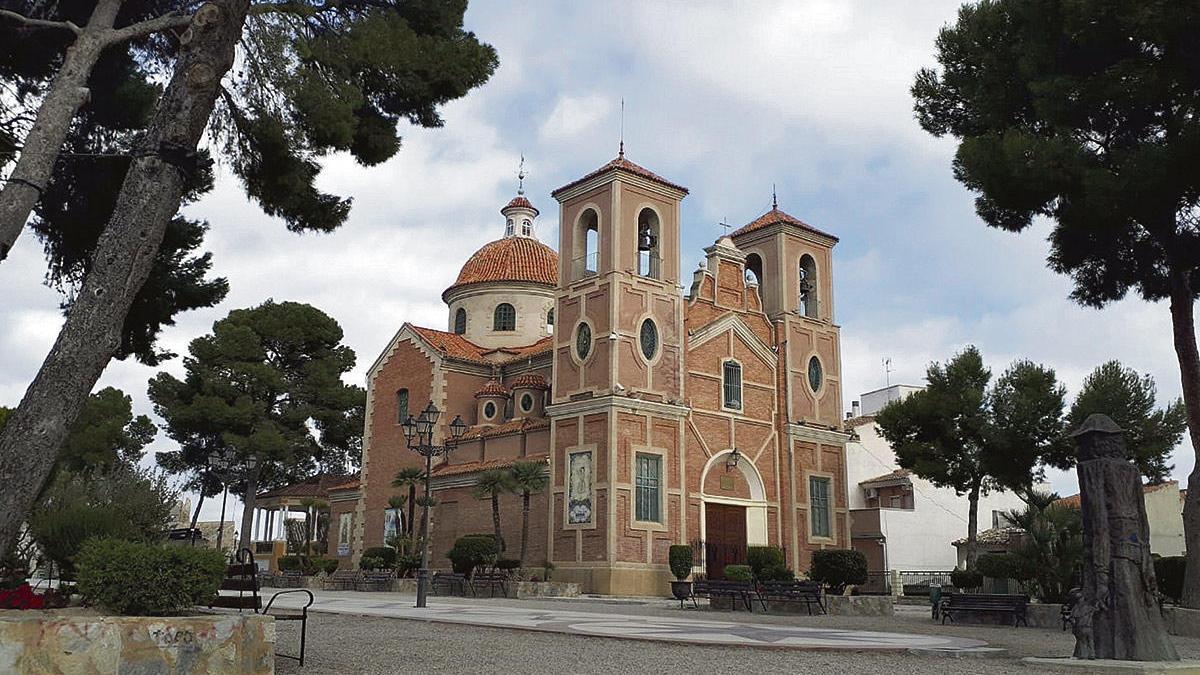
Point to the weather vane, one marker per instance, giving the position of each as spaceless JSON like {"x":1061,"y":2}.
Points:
{"x":774,"y":199}
{"x":521,"y":176}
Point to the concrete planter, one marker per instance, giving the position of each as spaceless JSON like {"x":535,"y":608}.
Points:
{"x":859,"y":605}
{"x":542,"y":589}
{"x":38,"y":642}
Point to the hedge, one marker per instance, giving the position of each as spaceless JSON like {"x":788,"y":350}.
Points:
{"x":148,"y":579}
{"x":680,"y":558}
{"x":1004,"y":566}
{"x":838,"y":568}
{"x":762,"y":557}
{"x":385,"y":553}
{"x":966,"y":579}
{"x":739,"y":573}
{"x":471,"y":551}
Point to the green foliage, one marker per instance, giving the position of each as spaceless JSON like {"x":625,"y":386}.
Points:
{"x":490,"y":485}
{"x":738,"y":573}
{"x":148,"y":579}
{"x":838,"y":568}
{"x":368,"y":562}
{"x":62,"y":532}
{"x":385,"y":553}
{"x":528,"y":477}
{"x":320,"y":565}
{"x":407,"y":563}
{"x":680,"y":558}
{"x":507,"y":564}
{"x":290,"y":563}
{"x":265,"y":383}
{"x":776,"y":573}
{"x":105,"y":433}
{"x":1130,"y":400}
{"x":966,"y":580}
{"x":761,"y":557}
{"x":1169,"y":570}
{"x":471,"y":551}
{"x":1052,"y":552}
{"x":1005,"y":566}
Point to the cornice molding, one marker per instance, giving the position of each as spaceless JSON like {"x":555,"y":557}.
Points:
{"x":600,"y":403}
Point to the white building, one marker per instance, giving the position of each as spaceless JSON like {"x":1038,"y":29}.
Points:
{"x":898,"y":520}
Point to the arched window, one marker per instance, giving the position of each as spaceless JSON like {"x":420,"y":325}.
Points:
{"x":586,"y":256}
{"x":508,"y":228}
{"x":731,"y":385}
{"x":526,"y":227}
{"x":505,"y":317}
{"x":550,"y":317}
{"x":754,"y":269}
{"x":648,"y":244}
{"x":460,"y":321}
{"x":401,"y":405}
{"x":808,"y":286}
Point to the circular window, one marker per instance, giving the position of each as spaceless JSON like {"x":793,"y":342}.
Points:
{"x":583,"y":341}
{"x":815,"y":375}
{"x":649,"y":335}
{"x":526,"y":402}
{"x":489,"y":410}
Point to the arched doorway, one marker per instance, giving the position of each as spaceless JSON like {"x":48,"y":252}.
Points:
{"x":733,"y":513}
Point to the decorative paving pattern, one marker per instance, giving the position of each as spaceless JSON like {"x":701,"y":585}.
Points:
{"x":630,"y":627}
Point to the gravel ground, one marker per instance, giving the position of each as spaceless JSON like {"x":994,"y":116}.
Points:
{"x":339,"y":643}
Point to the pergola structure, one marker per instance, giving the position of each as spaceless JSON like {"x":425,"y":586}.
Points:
{"x":273,"y":508}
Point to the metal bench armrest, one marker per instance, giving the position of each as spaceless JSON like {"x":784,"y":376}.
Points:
{"x":311,"y":598}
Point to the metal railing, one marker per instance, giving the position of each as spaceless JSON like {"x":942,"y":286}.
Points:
{"x":649,"y":265}
{"x":909,"y":583}
{"x":712,"y":557}
{"x":585,"y":266}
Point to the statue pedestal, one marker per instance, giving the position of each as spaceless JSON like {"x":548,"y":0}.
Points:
{"x":1072,"y":665}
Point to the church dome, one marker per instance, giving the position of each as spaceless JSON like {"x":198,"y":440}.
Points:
{"x":521,"y":259}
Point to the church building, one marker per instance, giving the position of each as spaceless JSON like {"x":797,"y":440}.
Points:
{"x":711,"y":418}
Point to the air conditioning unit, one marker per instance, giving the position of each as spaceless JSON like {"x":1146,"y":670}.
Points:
{"x":872,"y":493}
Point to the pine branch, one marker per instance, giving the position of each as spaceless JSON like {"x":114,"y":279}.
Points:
{"x":41,"y":23}
{"x":147,"y":27}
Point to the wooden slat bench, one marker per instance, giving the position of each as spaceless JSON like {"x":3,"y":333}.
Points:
{"x":288,"y":579}
{"x":1015,"y":605}
{"x":341,"y":580}
{"x":375,"y":580}
{"x":449,"y":583}
{"x":807,"y":592}
{"x":490,"y":581}
{"x":242,"y":577}
{"x":735,"y":590}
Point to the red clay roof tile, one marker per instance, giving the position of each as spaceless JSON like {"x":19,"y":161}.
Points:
{"x":776,"y":216}
{"x":624,"y":165}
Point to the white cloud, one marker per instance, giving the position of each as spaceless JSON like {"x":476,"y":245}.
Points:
{"x":573,"y":115}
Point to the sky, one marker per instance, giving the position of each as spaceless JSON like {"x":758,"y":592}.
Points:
{"x":726,"y":98}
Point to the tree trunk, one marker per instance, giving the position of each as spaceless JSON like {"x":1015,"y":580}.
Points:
{"x":196,"y":514}
{"x":249,"y":499}
{"x":39,"y":151}
{"x":496,"y":520}
{"x":973,"y":526}
{"x":125,"y":253}
{"x":1184,"y":328}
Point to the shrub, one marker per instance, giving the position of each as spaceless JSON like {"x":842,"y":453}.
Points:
{"x":61,"y":532}
{"x":408,"y":563}
{"x":739,"y":573}
{"x":1169,"y":572}
{"x":761,"y":557}
{"x":776,"y":573}
{"x":148,"y":579}
{"x":471,"y":551}
{"x":680,"y":558}
{"x":21,"y":597}
{"x":385,"y":553}
{"x":838,"y":568}
{"x":319,"y":565}
{"x":368,"y":562}
{"x":508,"y":564}
{"x":1004,"y":566}
{"x":289,"y":563}
{"x":966,"y":579}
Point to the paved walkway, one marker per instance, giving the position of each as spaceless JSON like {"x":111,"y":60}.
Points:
{"x":609,"y":621}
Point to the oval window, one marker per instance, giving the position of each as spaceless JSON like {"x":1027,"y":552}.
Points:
{"x":526,"y":402}
{"x":815,"y":375}
{"x":489,"y":410}
{"x":649,"y":337}
{"x":583,"y":341}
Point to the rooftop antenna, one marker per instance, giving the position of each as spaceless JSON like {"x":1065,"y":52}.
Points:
{"x":887,"y":371}
{"x":621,"y":151}
{"x":774,"y":199}
{"x":521,"y":176}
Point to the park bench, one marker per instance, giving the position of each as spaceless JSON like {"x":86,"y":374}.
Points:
{"x":375,"y":580}
{"x":491,"y":581}
{"x":341,"y":580}
{"x":242,"y":577}
{"x":288,"y":579}
{"x":808,"y":592}
{"x":1014,"y":605}
{"x":449,"y":583}
{"x":735,"y":590}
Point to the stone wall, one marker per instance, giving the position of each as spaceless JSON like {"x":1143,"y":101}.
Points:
{"x":38,"y":642}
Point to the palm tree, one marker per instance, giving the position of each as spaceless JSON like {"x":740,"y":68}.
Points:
{"x":409,"y":477}
{"x":527,"y":478}
{"x":309,"y":522}
{"x":492,"y":483}
{"x":397,"y":503}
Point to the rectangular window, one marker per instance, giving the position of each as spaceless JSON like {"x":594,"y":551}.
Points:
{"x":401,"y":406}
{"x":731,"y":378}
{"x":818,"y":497}
{"x":648,"y":485}
{"x":894,"y":501}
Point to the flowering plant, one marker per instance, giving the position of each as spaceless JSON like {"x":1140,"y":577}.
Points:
{"x":21,"y":597}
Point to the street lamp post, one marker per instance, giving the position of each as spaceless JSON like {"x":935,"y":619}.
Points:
{"x":418,"y":435}
{"x":222,"y":465}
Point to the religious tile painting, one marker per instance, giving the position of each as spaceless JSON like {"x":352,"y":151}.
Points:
{"x":579,"y":488}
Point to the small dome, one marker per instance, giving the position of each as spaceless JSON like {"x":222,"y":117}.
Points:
{"x":520,"y":202}
{"x":530,"y":381}
{"x":510,"y":259}
{"x":492,"y":388}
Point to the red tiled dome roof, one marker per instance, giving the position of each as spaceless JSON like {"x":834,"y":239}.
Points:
{"x":520,"y":202}
{"x":492,"y":388}
{"x":510,"y":259}
{"x":530,"y":381}
{"x":775,"y":216}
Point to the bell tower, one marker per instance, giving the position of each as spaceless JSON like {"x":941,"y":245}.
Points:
{"x":617,"y":416}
